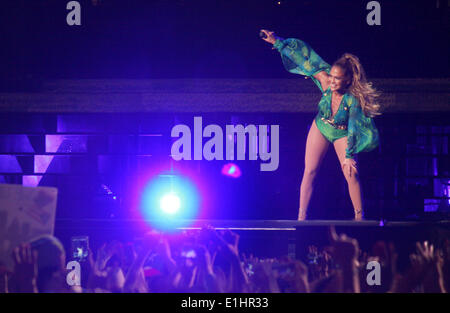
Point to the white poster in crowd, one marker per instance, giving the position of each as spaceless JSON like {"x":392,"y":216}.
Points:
{"x":25,"y":213}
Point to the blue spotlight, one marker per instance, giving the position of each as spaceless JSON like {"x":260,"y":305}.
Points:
{"x":169,"y":201}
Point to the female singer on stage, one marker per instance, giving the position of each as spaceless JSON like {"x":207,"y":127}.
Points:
{"x":345,"y":114}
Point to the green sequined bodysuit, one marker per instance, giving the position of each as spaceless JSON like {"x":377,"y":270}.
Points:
{"x":349,"y":120}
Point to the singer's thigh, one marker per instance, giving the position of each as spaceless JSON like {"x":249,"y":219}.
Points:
{"x":316,"y":148}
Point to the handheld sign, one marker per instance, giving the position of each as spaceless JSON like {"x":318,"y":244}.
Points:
{"x":25,"y":213}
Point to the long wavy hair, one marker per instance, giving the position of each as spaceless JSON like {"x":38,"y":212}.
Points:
{"x":358,"y":85}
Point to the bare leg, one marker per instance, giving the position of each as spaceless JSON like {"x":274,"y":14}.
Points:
{"x":316,"y":147}
{"x":354,"y":187}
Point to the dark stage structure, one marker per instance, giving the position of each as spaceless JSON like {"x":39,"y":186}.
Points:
{"x":100,"y":141}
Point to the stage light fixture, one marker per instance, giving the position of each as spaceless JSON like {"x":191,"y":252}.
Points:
{"x":170,"y":203}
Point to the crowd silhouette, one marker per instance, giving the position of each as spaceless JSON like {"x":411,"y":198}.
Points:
{"x":209,"y":261}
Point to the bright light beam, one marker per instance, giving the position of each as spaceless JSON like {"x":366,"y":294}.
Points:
{"x":170,"y":203}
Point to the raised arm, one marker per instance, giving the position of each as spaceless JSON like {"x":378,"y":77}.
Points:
{"x":299,"y":58}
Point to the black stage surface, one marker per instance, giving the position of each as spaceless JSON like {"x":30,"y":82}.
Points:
{"x":251,"y":225}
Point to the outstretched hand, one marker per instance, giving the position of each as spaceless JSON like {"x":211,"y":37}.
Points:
{"x":426,"y":259}
{"x":270,"y":36}
{"x":104,"y":254}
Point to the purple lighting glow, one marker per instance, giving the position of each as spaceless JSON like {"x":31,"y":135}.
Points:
{"x":231,"y":170}
{"x":31,"y":180}
{"x":53,"y":142}
{"x":447,"y":193}
{"x":42,"y":162}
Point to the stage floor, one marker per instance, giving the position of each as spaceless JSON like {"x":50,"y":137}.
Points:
{"x":250,"y":224}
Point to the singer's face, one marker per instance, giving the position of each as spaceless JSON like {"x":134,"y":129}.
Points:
{"x":338,"y":81}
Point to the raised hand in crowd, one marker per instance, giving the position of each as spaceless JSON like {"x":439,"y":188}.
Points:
{"x":264,"y":279}
{"x":345,"y":252}
{"x":24,"y":278}
{"x":427,"y":265}
{"x":101,"y":276}
{"x":446,"y":266}
{"x":237,"y":278}
{"x":292,"y":275}
{"x":425,"y":273}
{"x":135,"y":278}
{"x":205,"y":279}
{"x":104,"y":254}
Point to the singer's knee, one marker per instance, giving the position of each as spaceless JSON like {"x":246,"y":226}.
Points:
{"x":310,"y":173}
